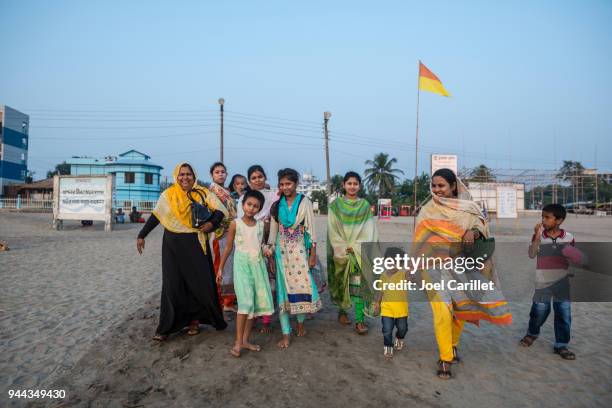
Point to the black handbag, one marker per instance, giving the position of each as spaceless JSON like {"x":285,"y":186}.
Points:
{"x":200,"y":214}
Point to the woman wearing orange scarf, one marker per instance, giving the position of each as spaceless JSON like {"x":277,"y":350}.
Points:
{"x":189,"y":292}
{"x":448,"y":224}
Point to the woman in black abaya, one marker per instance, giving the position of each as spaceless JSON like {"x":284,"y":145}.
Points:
{"x":189,"y":292}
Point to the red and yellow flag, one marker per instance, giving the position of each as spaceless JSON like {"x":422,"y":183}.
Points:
{"x":428,"y":81}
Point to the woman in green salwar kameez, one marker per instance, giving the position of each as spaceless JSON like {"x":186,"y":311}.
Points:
{"x":350,"y":223}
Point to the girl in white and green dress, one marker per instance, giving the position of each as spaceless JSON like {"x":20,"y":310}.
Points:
{"x":251,"y":282}
{"x":293,"y":243}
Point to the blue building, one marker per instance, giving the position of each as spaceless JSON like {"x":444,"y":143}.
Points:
{"x":14,"y":126}
{"x":136,"y":177}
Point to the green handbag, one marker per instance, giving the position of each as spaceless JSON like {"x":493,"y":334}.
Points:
{"x":482,"y":248}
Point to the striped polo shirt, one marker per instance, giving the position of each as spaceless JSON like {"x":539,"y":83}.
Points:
{"x":551,"y":265}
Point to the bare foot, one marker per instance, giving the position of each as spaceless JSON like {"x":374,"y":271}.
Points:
{"x":343,"y":319}
{"x":301,"y":331}
{"x":235,"y":351}
{"x":284,"y":342}
{"x":265,"y":329}
{"x":251,"y":346}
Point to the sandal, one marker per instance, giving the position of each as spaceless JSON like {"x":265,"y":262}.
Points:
{"x":194,"y":328}
{"x":159,"y":338}
{"x":456,"y":357}
{"x":343,"y":319}
{"x":565,"y":353}
{"x":444,"y":371}
{"x":398,"y":344}
{"x":361,"y":328}
{"x":527,"y":341}
{"x":388,"y":353}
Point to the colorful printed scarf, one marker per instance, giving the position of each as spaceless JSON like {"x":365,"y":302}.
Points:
{"x":441,"y":224}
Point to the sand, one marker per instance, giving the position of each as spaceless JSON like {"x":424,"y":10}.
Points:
{"x":78,"y":308}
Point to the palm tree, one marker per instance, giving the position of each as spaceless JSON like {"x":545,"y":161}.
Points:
{"x":337,"y":181}
{"x":572,"y":171}
{"x":482,"y":174}
{"x":381,"y":176}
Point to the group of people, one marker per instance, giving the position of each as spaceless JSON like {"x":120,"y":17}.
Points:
{"x":135,"y":216}
{"x":256,"y":253}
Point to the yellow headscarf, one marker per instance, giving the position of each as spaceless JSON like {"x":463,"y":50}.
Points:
{"x":173,"y":209}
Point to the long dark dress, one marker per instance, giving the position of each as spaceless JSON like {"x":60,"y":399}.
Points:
{"x":189,"y":290}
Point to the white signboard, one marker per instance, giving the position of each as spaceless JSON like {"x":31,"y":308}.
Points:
{"x":443,"y":161}
{"x":82,"y":195}
{"x":506,"y":202}
{"x":82,"y":198}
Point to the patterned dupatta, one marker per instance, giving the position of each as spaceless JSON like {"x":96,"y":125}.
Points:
{"x":349,"y":223}
{"x":441,"y":224}
{"x":228,"y":202}
{"x":298,"y":293}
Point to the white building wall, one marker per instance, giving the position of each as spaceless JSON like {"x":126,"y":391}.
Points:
{"x":487,"y":193}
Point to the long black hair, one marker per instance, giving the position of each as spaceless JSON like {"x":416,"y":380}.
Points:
{"x":449,"y":176}
{"x":253,"y":169}
{"x":215,"y":165}
{"x":290,"y":174}
{"x":352,"y":174}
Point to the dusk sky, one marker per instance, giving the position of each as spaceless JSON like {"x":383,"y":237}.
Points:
{"x":530,"y":81}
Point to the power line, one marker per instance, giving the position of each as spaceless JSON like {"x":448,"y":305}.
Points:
{"x":127,"y":138}
{"x":120,"y":120}
{"x":275,"y":117}
{"x":123,"y":127}
{"x":274,"y":132}
{"x":120,"y":110}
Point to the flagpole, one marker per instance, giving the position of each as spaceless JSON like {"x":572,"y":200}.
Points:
{"x":416,"y":151}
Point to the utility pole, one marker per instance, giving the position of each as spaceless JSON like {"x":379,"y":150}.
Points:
{"x":596,"y":191}
{"x":326,"y":116}
{"x":221,"y":103}
{"x":533,"y":190}
{"x":596,"y":183}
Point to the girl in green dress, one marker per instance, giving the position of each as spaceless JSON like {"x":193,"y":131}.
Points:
{"x":349,"y":223}
{"x":251,"y":282}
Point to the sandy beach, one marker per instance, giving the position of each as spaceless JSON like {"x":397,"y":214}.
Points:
{"x":78,"y":308}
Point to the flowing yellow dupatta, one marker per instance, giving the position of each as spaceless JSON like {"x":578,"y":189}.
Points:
{"x":173,"y":209}
{"x":440,"y":227}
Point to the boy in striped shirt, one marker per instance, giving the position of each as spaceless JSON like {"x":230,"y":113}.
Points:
{"x":552,"y":246}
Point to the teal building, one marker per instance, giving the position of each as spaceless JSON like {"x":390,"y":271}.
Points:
{"x":136,"y":177}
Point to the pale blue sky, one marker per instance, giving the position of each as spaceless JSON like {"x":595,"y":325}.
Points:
{"x":530,"y":81}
